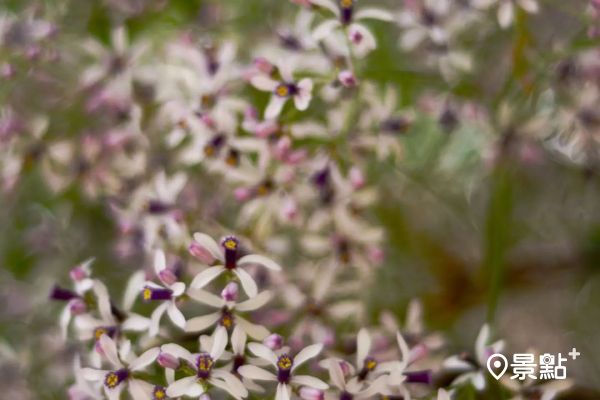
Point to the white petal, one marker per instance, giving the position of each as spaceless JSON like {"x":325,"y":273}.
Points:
{"x":324,"y":30}
{"x":363,"y":346}
{"x":225,"y":386}
{"x":302,"y":99}
{"x":256,"y":332}
{"x":336,"y":374}
{"x":177,"y":351}
{"x":110,"y":350}
{"x":275,"y":105}
{"x":176,"y":315}
{"x":137,"y":390}
{"x":91,"y":374}
{"x":373,"y":13}
{"x":258,"y":259}
{"x":479,"y":382}
{"x":115,"y":393}
{"x":285,"y":67}
{"x":247,"y":282}
{"x":328,"y":4}
{"x":65,"y":318}
{"x":160,"y":261}
{"x":506,"y":14}
{"x":404,"y":350}
{"x":145,"y":359}
{"x":368,"y":42}
{"x":443,"y":395}
{"x":306,"y":354}
{"x":182,"y":386}
{"x":264,"y":83}
{"x":205,"y":297}
{"x":135,"y":323}
{"x":456,"y":364}
{"x":220,"y":341}
{"x":233,"y":382}
{"x":254,"y":303}
{"x":209,"y":244}
{"x":155,"y":319}
{"x":481,"y":344}
{"x":531,"y":6}
{"x":132,"y":292}
{"x":206,"y":276}
{"x":103,"y":302}
{"x":238,"y":340}
{"x":282,"y":392}
{"x":201,"y":323}
{"x":262,"y":351}
{"x":310,"y":381}
{"x":253,"y":372}
{"x":412,"y":38}
{"x":178,"y":288}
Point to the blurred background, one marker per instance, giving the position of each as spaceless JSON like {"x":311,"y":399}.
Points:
{"x":484,"y":220}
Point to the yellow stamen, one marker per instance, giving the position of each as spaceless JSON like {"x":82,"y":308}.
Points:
{"x":99,"y":332}
{"x":231,"y":244}
{"x":346,"y":3}
{"x":112,"y":380}
{"x":283,"y":91}
{"x":159,"y":394}
{"x":285,"y":363}
{"x":147,"y":293}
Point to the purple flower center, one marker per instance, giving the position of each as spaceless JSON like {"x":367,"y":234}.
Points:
{"x":227,"y":319}
{"x":114,"y":378}
{"x":286,"y":90}
{"x":61,"y":294}
{"x":159,"y":393}
{"x":204,"y":363}
{"x":346,"y":11}
{"x":419,"y":377}
{"x":284,"y":368}
{"x":151,"y":294}
{"x":345,"y":396}
{"x":230,"y":244}
{"x":369,"y":365}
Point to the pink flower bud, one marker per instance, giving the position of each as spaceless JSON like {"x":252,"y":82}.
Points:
{"x":198,"y":251}
{"x":417,"y":353}
{"x":77,"y":306}
{"x":266,"y":128}
{"x":230,"y":293}
{"x":347,"y":78}
{"x":376,"y":253}
{"x":207,"y":119}
{"x":242,"y":194}
{"x":296,"y":157}
{"x":274,"y":342}
{"x":166,"y":360}
{"x":357,"y":179}
{"x":78,"y":274}
{"x":303,"y":3}
{"x":263,"y":65}
{"x":289,"y":209}
{"x":8,"y":71}
{"x":251,"y":113}
{"x":345,"y":368}
{"x":98,"y":348}
{"x":308,"y":393}
{"x":167,"y":276}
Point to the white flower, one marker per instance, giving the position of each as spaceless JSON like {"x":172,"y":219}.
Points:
{"x":89,"y":327}
{"x":284,"y":89}
{"x":346,"y":17}
{"x":227,"y":254}
{"x":116,"y":380}
{"x":168,"y":294}
{"x":226,"y":316}
{"x":285,"y":366}
{"x":203,"y":364}
{"x":354,"y":387}
{"x":475,"y":369}
{"x":423,"y":21}
{"x":506,"y":10}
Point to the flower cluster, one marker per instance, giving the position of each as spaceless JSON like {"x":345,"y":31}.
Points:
{"x":177,"y":137}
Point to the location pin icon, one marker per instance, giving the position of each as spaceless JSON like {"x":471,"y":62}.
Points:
{"x":497,"y":364}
